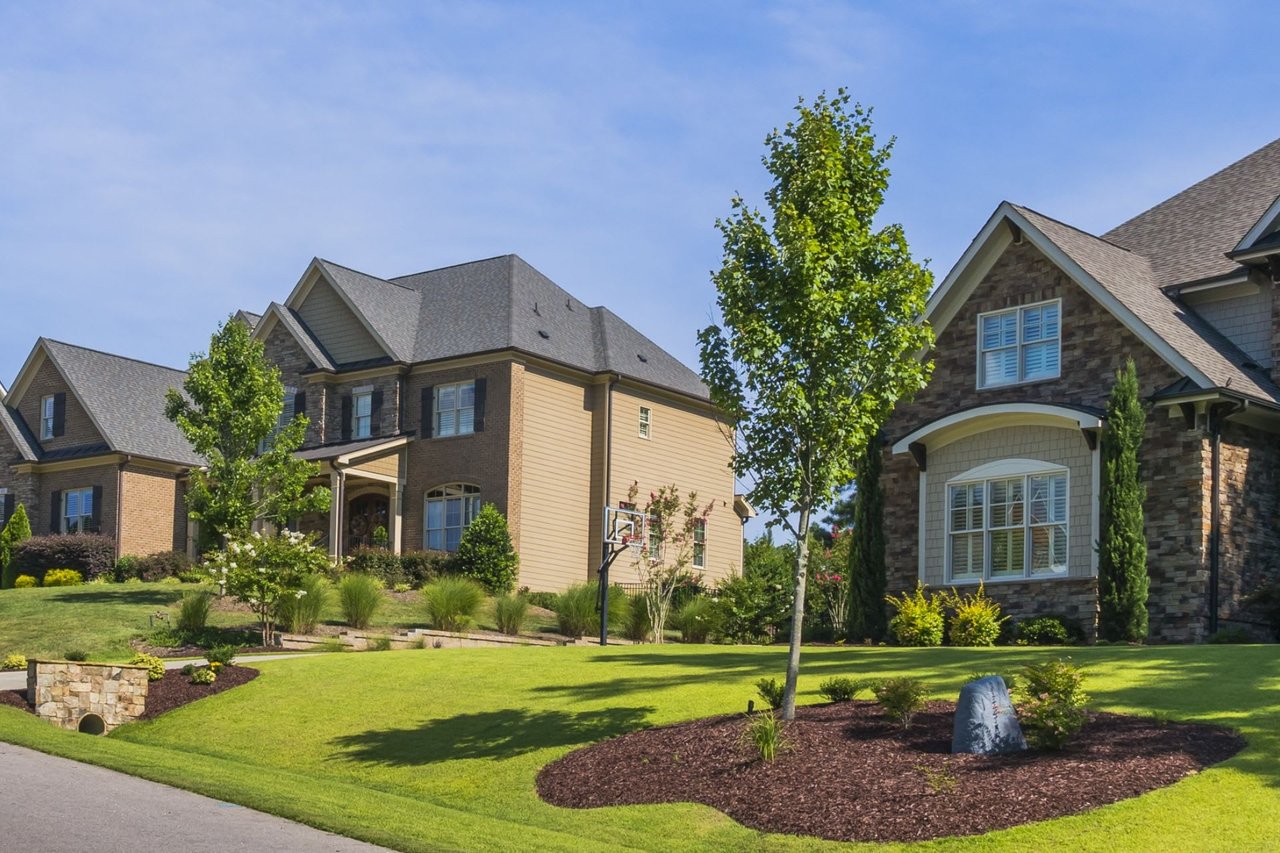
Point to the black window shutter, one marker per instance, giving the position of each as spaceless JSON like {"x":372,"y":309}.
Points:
{"x":97,"y":509}
{"x":478,"y":411}
{"x":300,"y":403}
{"x":346,"y":417}
{"x":59,"y":414}
{"x":375,"y":412}
{"x":55,"y":511}
{"x":7,"y":512}
{"x":427,"y":427}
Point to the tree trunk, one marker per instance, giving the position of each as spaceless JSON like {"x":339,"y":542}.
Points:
{"x":797,"y":615}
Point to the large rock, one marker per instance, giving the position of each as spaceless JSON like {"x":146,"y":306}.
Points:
{"x":986,"y":723}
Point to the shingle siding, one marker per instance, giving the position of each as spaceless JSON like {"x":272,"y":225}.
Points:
{"x":1245,"y":320}
{"x":337,"y":329}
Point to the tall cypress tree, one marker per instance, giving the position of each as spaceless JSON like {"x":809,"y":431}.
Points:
{"x":1122,"y":551}
{"x":866,"y":557}
{"x":16,"y":531}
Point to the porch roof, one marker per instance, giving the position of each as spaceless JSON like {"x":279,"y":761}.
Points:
{"x":351,"y":451}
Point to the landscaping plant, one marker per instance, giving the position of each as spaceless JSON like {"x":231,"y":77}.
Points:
{"x":1053,"y":706}
{"x":16,"y":531}
{"x":301,"y":613}
{"x":154,"y":665}
{"x":193,"y":611}
{"x":75,"y":655}
{"x":1123,"y":583}
{"x":203,"y":675}
{"x":485,"y":553}
{"x":360,"y":596}
{"x":675,"y":523}
{"x":25,"y":582}
{"x":260,"y":570}
{"x":90,"y":554}
{"x":830,"y":578}
{"x":378,"y":563}
{"x":841,"y":689}
{"x":452,"y":602}
{"x":696,"y":620}
{"x":976,"y":619}
{"x":510,"y":612}
{"x":919,"y":620}
{"x":13,"y":661}
{"x":902,"y":699}
{"x":637,"y":626}
{"x":577,"y":609}
{"x":867,"y":576}
{"x":771,"y":691}
{"x":764,"y":732}
{"x":1042,"y":631}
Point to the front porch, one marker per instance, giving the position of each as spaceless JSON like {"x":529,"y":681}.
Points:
{"x":366,"y":482}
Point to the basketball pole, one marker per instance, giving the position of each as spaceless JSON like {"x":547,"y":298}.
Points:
{"x":603,"y":600}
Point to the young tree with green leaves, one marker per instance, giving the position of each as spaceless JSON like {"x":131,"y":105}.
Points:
{"x":16,"y":530}
{"x":866,"y":557}
{"x":485,"y":553}
{"x":821,"y":328}
{"x":1123,"y":582}
{"x":231,"y":407}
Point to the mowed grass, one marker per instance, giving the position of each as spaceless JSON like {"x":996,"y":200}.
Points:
{"x":439,"y":749}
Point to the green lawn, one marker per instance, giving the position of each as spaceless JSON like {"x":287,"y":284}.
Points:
{"x":438,"y":749}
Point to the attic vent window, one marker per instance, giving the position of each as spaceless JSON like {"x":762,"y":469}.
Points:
{"x":642,"y":357}
{"x":544,"y":334}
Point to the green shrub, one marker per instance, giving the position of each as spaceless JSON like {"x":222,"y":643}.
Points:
{"x":1231,"y":635}
{"x":545,"y":600}
{"x":223,"y":655}
{"x":360,"y":597}
{"x":333,"y":644}
{"x":637,"y":627}
{"x":697,"y":620}
{"x":770,"y":690}
{"x":154,"y":665}
{"x":509,"y":612}
{"x":841,"y":689}
{"x":377,"y":563}
{"x":402,"y":587}
{"x":195,"y":574}
{"x":90,"y":554}
{"x":485,"y":553}
{"x":204,"y":675}
{"x":380,"y":644}
{"x":126,"y":568}
{"x":193,"y":611}
{"x":75,"y":655}
{"x":187,"y":669}
{"x":63,"y":577}
{"x":753,"y":609}
{"x":764,"y":732}
{"x":1042,"y":631}
{"x":902,"y":698}
{"x":452,"y":602}
{"x":919,"y":620}
{"x":25,"y":582}
{"x":1054,"y":703}
{"x":164,"y":565}
{"x":301,"y":613}
{"x":976,"y":619}
{"x":422,"y":567}
{"x":13,"y":661}
{"x":15,"y":531}
{"x":577,"y":609}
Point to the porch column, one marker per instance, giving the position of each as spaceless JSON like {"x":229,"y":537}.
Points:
{"x":395,"y":519}
{"x":337,"y":485}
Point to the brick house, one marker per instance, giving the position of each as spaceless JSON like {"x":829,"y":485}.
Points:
{"x":992,"y":472}
{"x":430,"y":394}
{"x":85,"y":447}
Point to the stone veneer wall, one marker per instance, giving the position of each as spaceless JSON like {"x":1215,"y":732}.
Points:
{"x":1250,"y":500}
{"x":63,"y":692}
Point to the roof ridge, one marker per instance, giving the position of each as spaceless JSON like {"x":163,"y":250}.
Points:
{"x":449,"y":267}
{"x":1077,"y":229}
{"x":114,"y":355}
{"x":365,"y":274}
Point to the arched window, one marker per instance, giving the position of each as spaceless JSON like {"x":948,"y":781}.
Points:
{"x":448,"y":511}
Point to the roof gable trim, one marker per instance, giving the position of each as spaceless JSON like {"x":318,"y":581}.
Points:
{"x":1260,"y":229}
{"x":309,"y":281}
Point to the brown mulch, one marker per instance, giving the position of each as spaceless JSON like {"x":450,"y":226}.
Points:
{"x":850,"y":775}
{"x":172,"y":691}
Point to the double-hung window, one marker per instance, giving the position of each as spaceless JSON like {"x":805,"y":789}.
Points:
{"x":1019,"y":345}
{"x":455,"y":409}
{"x":77,"y":510}
{"x":700,"y":543}
{"x":449,"y":510}
{"x":1007,"y":527}
{"x":286,"y":415}
{"x":646,"y":418}
{"x":362,"y":414}
{"x":4,"y":507}
{"x":46,"y":417}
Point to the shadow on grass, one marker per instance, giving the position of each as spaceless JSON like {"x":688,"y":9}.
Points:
{"x":490,"y":734}
{"x":121,"y":594}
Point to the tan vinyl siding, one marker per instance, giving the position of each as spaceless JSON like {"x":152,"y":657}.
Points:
{"x":556,"y":512}
{"x":387,"y":466}
{"x":1246,"y":320}
{"x":150,"y":506}
{"x":339,"y":331}
{"x":1064,"y":447}
{"x":688,"y":448}
{"x":78,"y":428}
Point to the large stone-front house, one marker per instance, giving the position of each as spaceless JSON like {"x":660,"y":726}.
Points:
{"x":993,"y":471}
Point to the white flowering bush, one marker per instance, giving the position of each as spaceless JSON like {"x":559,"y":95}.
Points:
{"x":262,"y":570}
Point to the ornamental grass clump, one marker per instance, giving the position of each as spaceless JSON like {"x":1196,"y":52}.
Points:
{"x":697,"y":619}
{"x":299,"y":611}
{"x":976,"y":619}
{"x":764,"y":733}
{"x":902,"y":699}
{"x":452,"y":602}
{"x":360,"y":597}
{"x":841,"y":689}
{"x":638,"y":627}
{"x":1053,"y":707}
{"x":510,"y":612}
{"x":919,"y":620}
{"x":193,"y":611}
{"x":577,"y":609}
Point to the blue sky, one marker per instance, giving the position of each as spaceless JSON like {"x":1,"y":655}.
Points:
{"x":162,"y":165}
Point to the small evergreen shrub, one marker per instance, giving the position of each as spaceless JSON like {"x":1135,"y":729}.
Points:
{"x":164,"y":565}
{"x":193,"y":611}
{"x":577,"y":612}
{"x":126,"y":569}
{"x":90,"y":554}
{"x":25,"y":582}
{"x":62,"y":577}
{"x":223,"y":655}
{"x":919,"y":620}
{"x":485,"y":553}
{"x":360,"y":597}
{"x":696,"y":620}
{"x":301,"y":613}
{"x":841,"y":689}
{"x":902,"y":699}
{"x":13,"y":661}
{"x":377,"y":563}
{"x":638,"y":627}
{"x":545,"y":600}
{"x":976,"y":619}
{"x":452,"y":602}
{"x":509,"y":612}
{"x":77,"y":655}
{"x":204,"y":675}
{"x":422,"y":567}
{"x":1042,"y":631}
{"x":154,"y":665}
{"x":187,"y":669}
{"x":1053,"y":705}
{"x":764,"y":733}
{"x":770,"y":690}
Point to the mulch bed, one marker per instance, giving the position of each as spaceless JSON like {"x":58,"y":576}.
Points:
{"x":172,"y":691}
{"x":850,"y":775}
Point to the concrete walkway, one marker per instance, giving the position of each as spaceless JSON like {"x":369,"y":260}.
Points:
{"x":18,"y":680}
{"x":49,"y":805}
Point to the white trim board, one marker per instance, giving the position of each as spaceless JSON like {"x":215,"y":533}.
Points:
{"x":961,"y":424}
{"x":1261,"y":227}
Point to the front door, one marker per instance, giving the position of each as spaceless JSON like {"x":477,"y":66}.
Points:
{"x":367,"y":521}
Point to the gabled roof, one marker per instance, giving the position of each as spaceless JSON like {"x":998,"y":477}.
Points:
{"x":18,"y":433}
{"x":288,"y":318}
{"x":123,"y":397}
{"x":249,"y":318}
{"x":390,"y":309}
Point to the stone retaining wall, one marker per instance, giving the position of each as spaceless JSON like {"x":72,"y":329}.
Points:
{"x":66,"y":692}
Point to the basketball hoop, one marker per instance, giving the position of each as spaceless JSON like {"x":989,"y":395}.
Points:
{"x":623,"y":529}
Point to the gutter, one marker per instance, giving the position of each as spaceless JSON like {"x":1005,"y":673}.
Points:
{"x":120,"y":499}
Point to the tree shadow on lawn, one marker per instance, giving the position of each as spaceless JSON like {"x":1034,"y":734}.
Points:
{"x":489,"y":734}
{"x":123,"y":595}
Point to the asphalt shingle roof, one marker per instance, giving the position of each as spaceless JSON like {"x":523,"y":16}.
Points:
{"x":310,"y":346}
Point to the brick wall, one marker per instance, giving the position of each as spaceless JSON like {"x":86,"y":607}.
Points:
{"x":79,"y":430}
{"x":1250,"y":507}
{"x":105,"y":476}
{"x":24,"y":487}
{"x":151,"y":511}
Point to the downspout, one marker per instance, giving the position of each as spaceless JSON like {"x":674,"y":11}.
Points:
{"x":120,"y":501}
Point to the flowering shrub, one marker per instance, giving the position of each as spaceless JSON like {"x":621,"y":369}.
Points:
{"x":260,"y":570}
{"x":919,"y":621}
{"x":154,"y":665}
{"x":204,"y":676}
{"x":1053,"y":702}
{"x":829,"y":579}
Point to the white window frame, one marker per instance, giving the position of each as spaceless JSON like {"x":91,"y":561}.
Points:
{"x":3,"y":520}
{"x":456,"y":419}
{"x":82,"y":519}
{"x":984,"y":476}
{"x":1018,"y":346}
{"x":364,"y":395}
{"x":699,"y":543}
{"x":46,"y":417}
{"x":646,"y":421}
{"x":286,"y":414}
{"x":467,"y":496}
